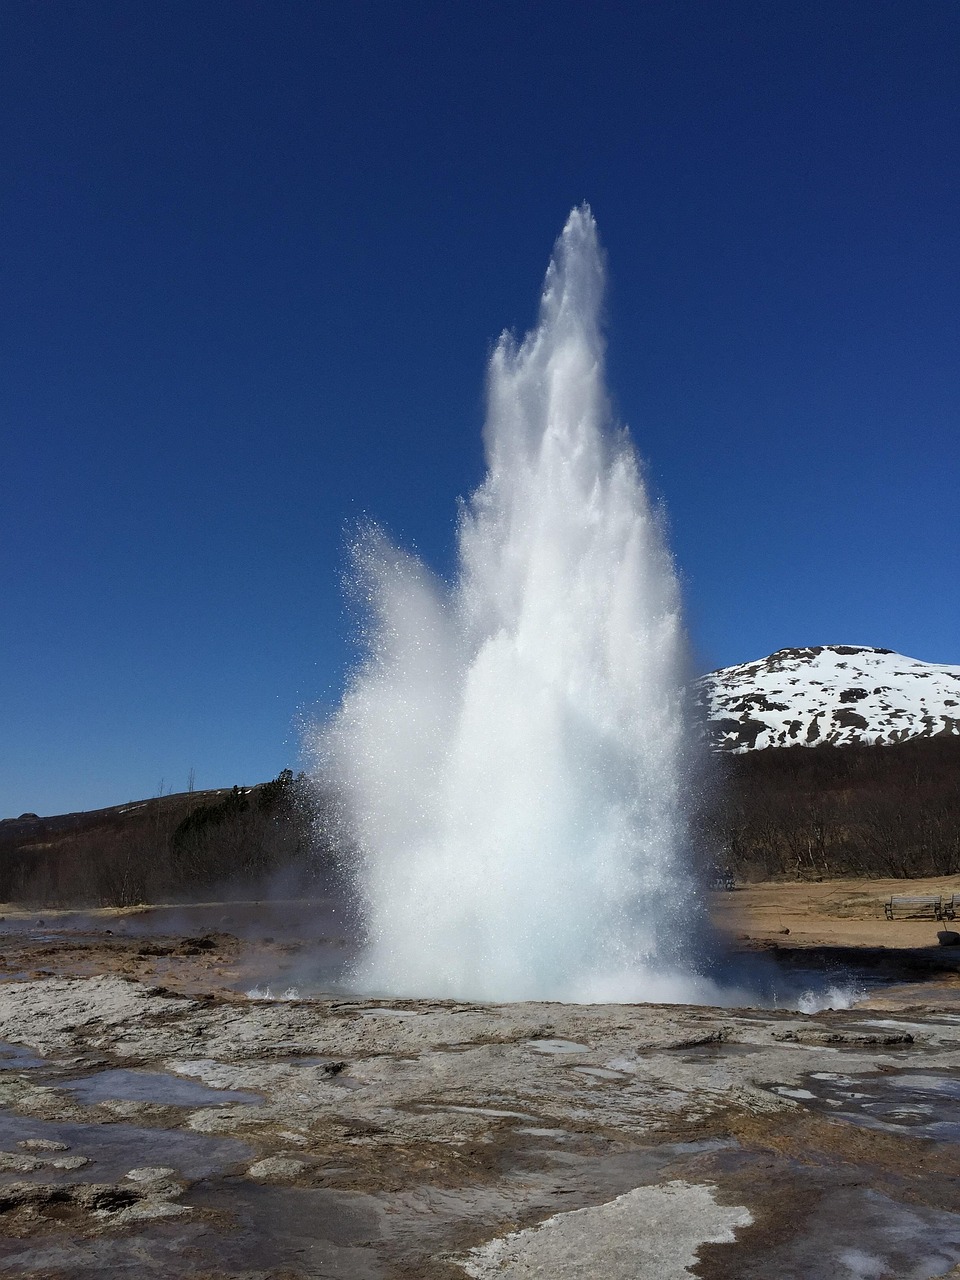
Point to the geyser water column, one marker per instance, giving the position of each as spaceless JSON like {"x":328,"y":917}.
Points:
{"x":510,"y":755}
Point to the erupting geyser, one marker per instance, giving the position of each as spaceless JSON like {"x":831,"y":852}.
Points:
{"x":511,"y":755}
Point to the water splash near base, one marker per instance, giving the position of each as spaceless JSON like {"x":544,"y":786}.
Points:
{"x":511,"y":755}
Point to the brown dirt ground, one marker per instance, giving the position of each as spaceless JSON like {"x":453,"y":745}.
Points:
{"x":833,"y":913}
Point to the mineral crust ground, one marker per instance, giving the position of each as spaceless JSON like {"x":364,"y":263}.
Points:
{"x":157,"y":1120}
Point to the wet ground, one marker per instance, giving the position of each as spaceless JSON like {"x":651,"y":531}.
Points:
{"x":156,"y":1121}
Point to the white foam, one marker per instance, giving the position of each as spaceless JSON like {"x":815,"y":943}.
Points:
{"x":835,"y":996}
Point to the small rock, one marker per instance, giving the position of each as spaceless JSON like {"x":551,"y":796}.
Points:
{"x":277,"y":1167}
{"x":150,"y":1173}
{"x":43,"y":1144}
{"x":143,"y":1211}
{"x":67,"y":1163}
{"x":823,"y":1035}
{"x":295,"y":1139}
{"x":949,"y":938}
{"x":194,"y":946}
{"x":17,"y":1162}
{"x":127,"y":1108}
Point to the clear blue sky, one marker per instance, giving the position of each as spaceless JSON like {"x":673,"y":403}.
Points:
{"x":255,"y":253}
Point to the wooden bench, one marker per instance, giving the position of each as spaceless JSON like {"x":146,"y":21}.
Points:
{"x":924,"y":904}
{"x":949,"y":907}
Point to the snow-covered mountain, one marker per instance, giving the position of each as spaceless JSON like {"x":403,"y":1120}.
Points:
{"x":837,"y":694}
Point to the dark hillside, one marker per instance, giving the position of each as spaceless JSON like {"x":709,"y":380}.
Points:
{"x":860,"y":810}
{"x":164,"y":849}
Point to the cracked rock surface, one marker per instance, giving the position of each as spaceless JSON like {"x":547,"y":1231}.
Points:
{"x":168,"y":1132}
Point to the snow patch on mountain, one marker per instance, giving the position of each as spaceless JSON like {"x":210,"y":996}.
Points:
{"x":837,"y":694}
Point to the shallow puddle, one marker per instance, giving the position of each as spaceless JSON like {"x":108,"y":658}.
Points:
{"x":600,"y":1073}
{"x":114,"y":1149}
{"x":948,"y":1086}
{"x":557,"y":1046}
{"x":715,"y":1050}
{"x":828,"y":1223}
{"x":153,"y":1086}
{"x":912,"y":1103}
{"x":15,"y":1057}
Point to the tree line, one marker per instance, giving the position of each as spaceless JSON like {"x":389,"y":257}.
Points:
{"x":807,"y":812}
{"x":857,"y":810}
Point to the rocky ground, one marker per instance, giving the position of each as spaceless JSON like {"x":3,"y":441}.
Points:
{"x":157,"y":1120}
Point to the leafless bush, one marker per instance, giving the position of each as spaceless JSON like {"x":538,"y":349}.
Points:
{"x":856,"y":810}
